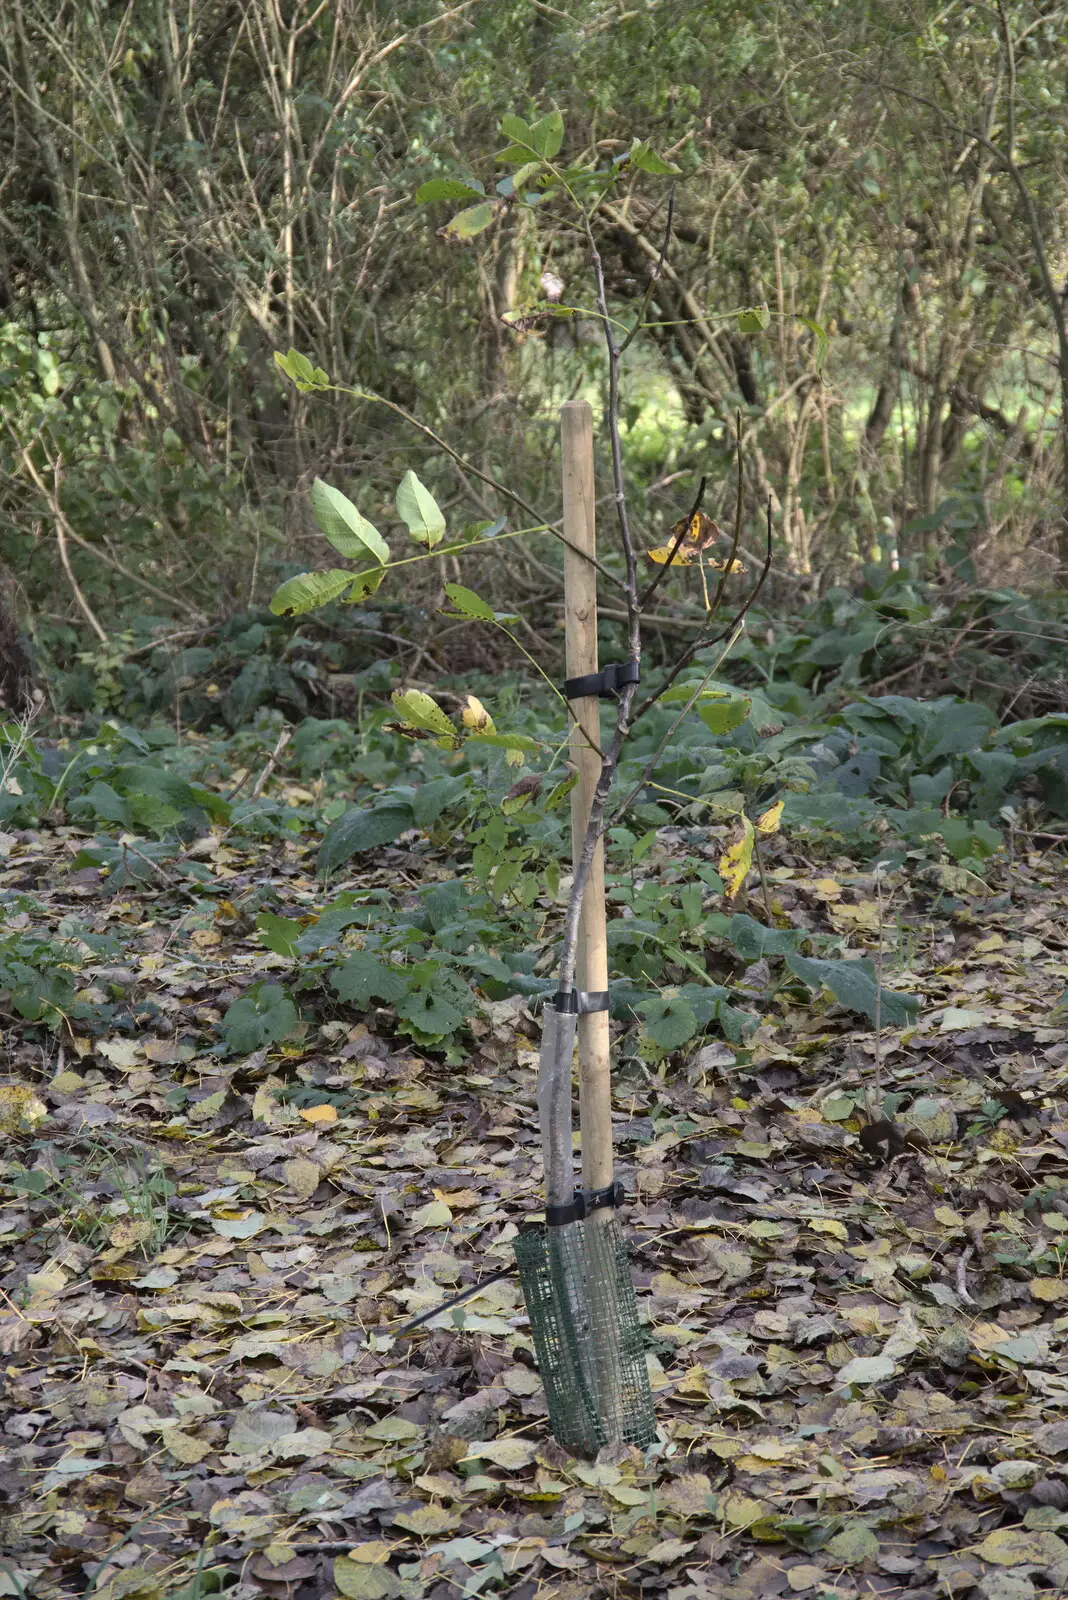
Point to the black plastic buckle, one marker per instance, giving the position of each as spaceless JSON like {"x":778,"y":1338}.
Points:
{"x":580,"y":1002}
{"x":605,"y":684}
{"x":584,"y":1205}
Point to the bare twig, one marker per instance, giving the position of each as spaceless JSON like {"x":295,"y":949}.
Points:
{"x":65,"y":531}
{"x":484,"y":477}
{"x":654,"y":274}
{"x":706,"y":642}
{"x":62,"y":529}
{"x":765,"y":892}
{"x":875,"y":1110}
{"x":272,"y":761}
{"x":13,"y":749}
{"x":168,"y":877}
{"x":962,"y":1275}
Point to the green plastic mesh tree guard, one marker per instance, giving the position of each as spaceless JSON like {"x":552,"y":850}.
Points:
{"x":579,"y":1296}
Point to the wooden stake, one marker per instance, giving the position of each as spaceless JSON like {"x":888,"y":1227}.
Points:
{"x":580,"y":620}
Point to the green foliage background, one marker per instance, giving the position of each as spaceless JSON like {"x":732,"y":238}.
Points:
{"x":188,"y":190}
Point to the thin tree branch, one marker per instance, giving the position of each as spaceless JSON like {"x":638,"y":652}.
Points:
{"x":654,"y":275}
{"x":653,"y":761}
{"x":1006,"y":161}
{"x":706,"y":643}
{"x":76,"y":589}
{"x":64,"y":528}
{"x":484,"y":477}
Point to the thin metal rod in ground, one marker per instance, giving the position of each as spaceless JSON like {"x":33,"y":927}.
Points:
{"x":447,"y":1305}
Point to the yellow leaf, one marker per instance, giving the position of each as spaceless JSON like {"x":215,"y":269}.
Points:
{"x":736,"y":860}
{"x":125,"y":1054}
{"x":129,"y":1231}
{"x":476,"y":717}
{"x":768,"y":822}
{"x":508,"y":1452}
{"x":372,"y":1551}
{"x":864,"y":915}
{"x":684,"y":555}
{"x":278,"y":1554}
{"x":773,"y":1449}
{"x":428,"y":1522}
{"x":826,"y":888}
{"x":303,"y":1176}
{"x":20,"y":1109}
{"x":1014,"y":1547}
{"x":805,"y":1577}
{"x":837,"y":1230}
{"x":184,"y":1448}
{"x":986,"y":1336}
{"x":46,"y":1283}
{"x":1049,"y":1289}
{"x":694,"y":1382}
{"x":67,"y":1082}
{"x":628,"y":1495}
{"x":688,"y":541}
{"x":322,"y":1114}
{"x":741,"y":1511}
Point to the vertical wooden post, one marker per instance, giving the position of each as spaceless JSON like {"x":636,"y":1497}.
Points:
{"x":580,"y":613}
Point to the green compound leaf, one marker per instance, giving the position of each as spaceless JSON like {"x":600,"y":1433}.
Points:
{"x":642,"y":156}
{"x":474,"y":220}
{"x":300,"y":371}
{"x":348,"y":531}
{"x":517,"y":130}
{"x":468,"y":603}
{"x":418,"y":508}
{"x":547,"y":135}
{"x":308,"y":591}
{"x":447,"y":189}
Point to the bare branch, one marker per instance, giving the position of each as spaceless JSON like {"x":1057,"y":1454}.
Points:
{"x":706,"y":643}
{"x":654,"y":275}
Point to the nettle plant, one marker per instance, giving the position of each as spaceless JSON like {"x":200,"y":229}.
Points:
{"x":564,"y":193}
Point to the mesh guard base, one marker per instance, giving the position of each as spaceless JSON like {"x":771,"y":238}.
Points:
{"x":579,"y":1296}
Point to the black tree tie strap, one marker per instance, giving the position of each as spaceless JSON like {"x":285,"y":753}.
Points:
{"x":584,"y":1205}
{"x":581,"y":1002}
{"x":605,"y":684}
